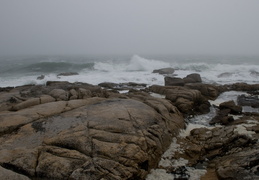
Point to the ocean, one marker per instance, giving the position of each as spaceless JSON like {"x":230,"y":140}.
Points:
{"x":21,"y":70}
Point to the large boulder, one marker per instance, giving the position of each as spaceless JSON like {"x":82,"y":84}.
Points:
{"x":193,"y":78}
{"x":188,"y":101}
{"x":173,"y":81}
{"x":91,"y":138}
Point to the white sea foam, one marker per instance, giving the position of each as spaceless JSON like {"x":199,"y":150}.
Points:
{"x":241,"y":129}
{"x":167,"y":157}
{"x":159,"y":174}
{"x":195,"y":174}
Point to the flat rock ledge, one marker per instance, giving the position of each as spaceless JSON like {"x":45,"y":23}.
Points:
{"x":79,"y":131}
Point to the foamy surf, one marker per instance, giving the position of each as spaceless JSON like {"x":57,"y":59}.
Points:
{"x":17,"y":72}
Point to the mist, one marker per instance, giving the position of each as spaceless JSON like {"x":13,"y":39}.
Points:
{"x":63,"y":27}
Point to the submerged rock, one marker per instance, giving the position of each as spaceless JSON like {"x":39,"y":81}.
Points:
{"x":164,"y":71}
{"x":225,"y":75}
{"x":40,"y":77}
{"x":68,"y":74}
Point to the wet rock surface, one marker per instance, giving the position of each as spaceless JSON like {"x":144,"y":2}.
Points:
{"x":248,"y":100}
{"x":96,"y":134}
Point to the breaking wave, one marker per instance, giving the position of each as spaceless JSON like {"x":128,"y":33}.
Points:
{"x":136,"y":63}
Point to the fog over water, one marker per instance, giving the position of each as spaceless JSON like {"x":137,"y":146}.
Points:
{"x":61,"y":27}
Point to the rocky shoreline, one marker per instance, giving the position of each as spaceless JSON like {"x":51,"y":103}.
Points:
{"x":65,"y":130}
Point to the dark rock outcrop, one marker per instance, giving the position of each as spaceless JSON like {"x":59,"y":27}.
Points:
{"x":40,"y":77}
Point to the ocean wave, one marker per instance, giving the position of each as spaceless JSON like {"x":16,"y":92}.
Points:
{"x":197,"y":67}
{"x":49,"y":67}
{"x":136,"y":63}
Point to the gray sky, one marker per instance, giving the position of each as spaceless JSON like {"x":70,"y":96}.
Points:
{"x":129,"y":26}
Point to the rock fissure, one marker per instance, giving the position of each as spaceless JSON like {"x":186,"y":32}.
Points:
{"x":15,"y":169}
{"x":136,"y":124}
